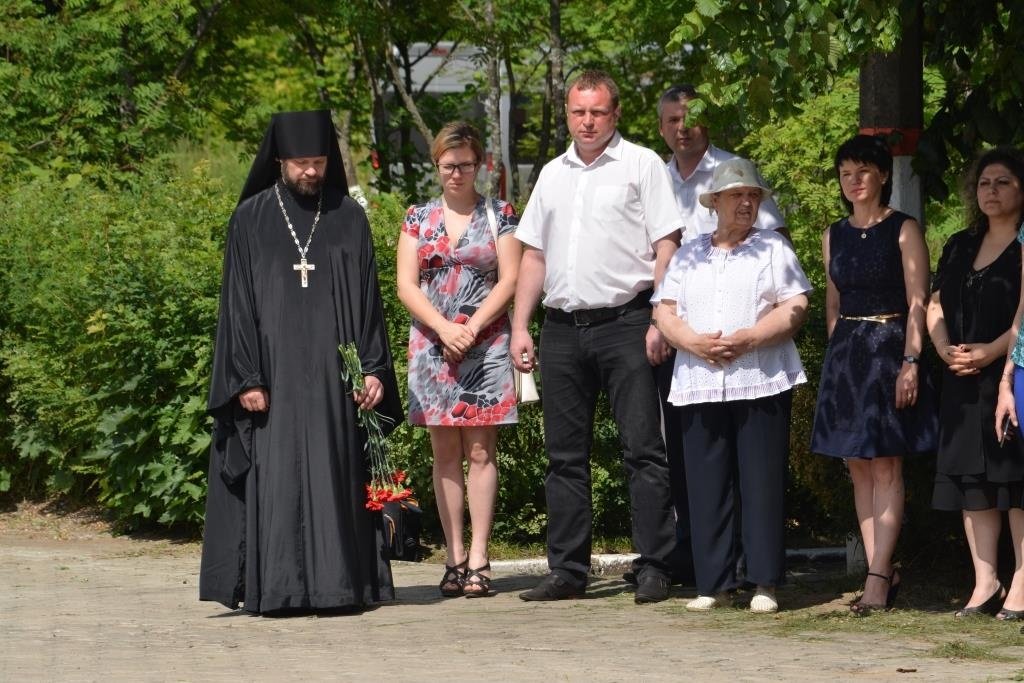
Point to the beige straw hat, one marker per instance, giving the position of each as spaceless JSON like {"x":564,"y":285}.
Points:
{"x":736,"y":172}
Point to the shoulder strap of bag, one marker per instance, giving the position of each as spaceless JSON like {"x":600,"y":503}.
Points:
{"x":492,"y":220}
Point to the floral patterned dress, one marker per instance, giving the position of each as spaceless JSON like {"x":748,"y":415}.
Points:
{"x":479,"y":390}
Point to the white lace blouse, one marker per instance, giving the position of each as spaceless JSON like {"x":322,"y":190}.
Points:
{"x":715,"y":289}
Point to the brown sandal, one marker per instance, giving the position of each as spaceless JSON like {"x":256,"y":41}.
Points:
{"x":481,"y":583}
{"x":454,"y":579}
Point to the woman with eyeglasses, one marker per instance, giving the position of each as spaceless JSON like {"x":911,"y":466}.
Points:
{"x":457,"y":280}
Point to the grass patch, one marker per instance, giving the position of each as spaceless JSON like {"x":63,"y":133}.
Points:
{"x":961,"y":649}
{"x":817,"y":610}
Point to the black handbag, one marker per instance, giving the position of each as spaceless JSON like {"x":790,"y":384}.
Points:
{"x":402,"y":525}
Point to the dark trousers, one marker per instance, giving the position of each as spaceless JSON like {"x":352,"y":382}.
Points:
{"x":578,"y":363}
{"x":737,"y":446}
{"x":672,"y":430}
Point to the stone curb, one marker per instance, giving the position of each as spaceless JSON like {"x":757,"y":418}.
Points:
{"x":608,"y":564}
{"x":600,"y":565}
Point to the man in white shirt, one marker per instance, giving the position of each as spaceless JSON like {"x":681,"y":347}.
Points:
{"x":693,"y":162}
{"x":691,"y":168}
{"x":598,"y":233}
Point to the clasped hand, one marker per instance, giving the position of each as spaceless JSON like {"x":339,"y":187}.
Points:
{"x":966,"y":359}
{"x":716,"y":349}
{"x":457,"y":338}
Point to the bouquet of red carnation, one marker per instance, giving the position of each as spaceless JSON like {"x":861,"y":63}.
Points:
{"x":387,"y":488}
{"x":387,"y":483}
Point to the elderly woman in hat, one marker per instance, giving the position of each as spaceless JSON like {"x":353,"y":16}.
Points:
{"x":730,"y":302}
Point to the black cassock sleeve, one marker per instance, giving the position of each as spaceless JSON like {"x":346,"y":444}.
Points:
{"x":236,"y":358}
{"x":235,"y":368}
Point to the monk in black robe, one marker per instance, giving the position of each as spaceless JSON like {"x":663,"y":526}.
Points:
{"x":286,"y":524}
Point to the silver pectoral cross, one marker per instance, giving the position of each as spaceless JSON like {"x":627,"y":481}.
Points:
{"x":304,"y":268}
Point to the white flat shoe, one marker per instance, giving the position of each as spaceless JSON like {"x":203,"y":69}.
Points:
{"x":706,"y":603}
{"x":764,"y":602}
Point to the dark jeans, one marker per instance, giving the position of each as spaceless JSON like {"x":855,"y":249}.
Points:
{"x":682,"y":557}
{"x":578,"y":363}
{"x":737,"y":447}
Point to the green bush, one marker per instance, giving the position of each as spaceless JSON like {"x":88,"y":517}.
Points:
{"x":111,"y":299}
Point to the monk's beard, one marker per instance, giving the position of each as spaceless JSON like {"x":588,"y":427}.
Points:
{"x":305,"y":188}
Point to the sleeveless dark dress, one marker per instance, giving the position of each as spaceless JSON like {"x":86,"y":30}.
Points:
{"x":973,"y":472}
{"x":856,"y":415}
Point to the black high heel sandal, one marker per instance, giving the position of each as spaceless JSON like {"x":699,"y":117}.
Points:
{"x":481,"y":583}
{"x":863,"y":609}
{"x":454,"y":579}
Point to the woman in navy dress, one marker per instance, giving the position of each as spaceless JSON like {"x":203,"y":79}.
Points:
{"x":873,"y":405}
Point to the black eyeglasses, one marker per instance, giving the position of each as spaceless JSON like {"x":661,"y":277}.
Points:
{"x":464,"y":168}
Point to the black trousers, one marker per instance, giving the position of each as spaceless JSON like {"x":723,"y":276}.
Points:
{"x":737,"y":447}
{"x":671,"y":416}
{"x":578,"y":363}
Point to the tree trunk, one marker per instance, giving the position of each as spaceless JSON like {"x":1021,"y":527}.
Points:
{"x":403,"y":91}
{"x":380,"y":133}
{"x":557,"y":60}
{"x":513,"y":138}
{"x":544,"y":138}
{"x":892,"y":105}
{"x":493,"y":102}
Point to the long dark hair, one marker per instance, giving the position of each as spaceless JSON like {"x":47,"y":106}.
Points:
{"x":1011,"y":158}
{"x":866,"y":149}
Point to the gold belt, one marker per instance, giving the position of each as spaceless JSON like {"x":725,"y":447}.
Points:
{"x":882,"y":318}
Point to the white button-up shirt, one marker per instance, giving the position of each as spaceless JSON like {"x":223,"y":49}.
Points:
{"x":715,"y":289}
{"x":597,"y":224}
{"x":700,"y":220}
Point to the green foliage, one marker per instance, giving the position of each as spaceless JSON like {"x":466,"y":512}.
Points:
{"x":84,"y":83}
{"x":112,"y":299}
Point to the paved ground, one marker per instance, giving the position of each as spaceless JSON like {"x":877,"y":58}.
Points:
{"x":77,"y":604}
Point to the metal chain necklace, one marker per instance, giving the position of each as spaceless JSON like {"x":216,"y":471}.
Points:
{"x":302,"y":266}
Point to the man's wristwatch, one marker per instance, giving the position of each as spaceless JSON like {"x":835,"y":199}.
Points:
{"x":911,"y":359}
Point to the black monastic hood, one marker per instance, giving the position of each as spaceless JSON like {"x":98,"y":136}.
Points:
{"x":294,"y":134}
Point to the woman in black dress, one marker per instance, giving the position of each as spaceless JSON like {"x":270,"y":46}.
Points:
{"x":870,"y":411}
{"x":975,"y":293}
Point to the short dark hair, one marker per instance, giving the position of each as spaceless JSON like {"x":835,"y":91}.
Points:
{"x":592,"y":79}
{"x":1012,"y":159}
{"x":867,"y":149}
{"x":676,"y":93}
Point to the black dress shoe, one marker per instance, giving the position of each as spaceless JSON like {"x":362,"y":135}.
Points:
{"x":652,"y":588}
{"x":988,"y":608}
{"x":677,"y":579}
{"x":552,"y":587}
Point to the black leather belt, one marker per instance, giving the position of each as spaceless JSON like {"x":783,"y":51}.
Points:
{"x":594,"y":316}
